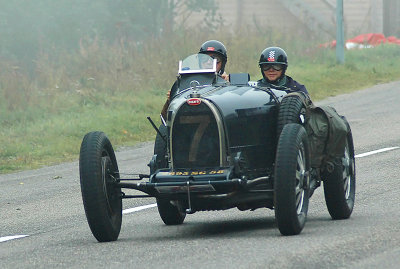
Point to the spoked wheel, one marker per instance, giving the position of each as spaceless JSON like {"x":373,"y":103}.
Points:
{"x":291,"y":180}
{"x":102,"y":200}
{"x":340,"y":184}
{"x":171,"y":212}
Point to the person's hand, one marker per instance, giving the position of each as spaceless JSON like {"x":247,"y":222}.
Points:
{"x":169,"y":95}
{"x":225,"y":76}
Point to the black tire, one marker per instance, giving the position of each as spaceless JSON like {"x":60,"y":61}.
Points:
{"x":291,"y":179}
{"x":291,"y":110}
{"x":340,"y":184}
{"x":102,"y":201}
{"x":160,"y":149}
{"x":169,"y":213}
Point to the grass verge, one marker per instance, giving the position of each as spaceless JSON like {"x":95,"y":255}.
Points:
{"x":45,"y":114}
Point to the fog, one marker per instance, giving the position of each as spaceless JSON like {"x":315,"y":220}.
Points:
{"x":28,"y":27}
{"x":54,"y":26}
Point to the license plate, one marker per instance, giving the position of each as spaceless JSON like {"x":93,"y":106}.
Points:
{"x":193,"y":173}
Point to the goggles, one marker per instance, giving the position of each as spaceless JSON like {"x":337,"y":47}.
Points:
{"x":276,"y":67}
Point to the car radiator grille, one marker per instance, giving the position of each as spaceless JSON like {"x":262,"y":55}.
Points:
{"x":195,"y":138}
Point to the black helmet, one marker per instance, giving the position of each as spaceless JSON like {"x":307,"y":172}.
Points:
{"x":214,"y":46}
{"x":273,"y":55}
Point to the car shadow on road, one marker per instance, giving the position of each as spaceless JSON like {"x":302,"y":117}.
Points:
{"x":195,"y":229}
{"x":221,"y":227}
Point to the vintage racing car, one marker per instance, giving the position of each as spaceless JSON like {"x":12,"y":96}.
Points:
{"x":227,"y":145}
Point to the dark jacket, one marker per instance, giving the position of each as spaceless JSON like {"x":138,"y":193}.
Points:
{"x":288,"y":82}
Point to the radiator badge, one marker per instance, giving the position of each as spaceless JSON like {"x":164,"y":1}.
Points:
{"x":193,"y":101}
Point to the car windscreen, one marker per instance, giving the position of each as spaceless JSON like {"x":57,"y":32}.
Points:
{"x":197,"y":63}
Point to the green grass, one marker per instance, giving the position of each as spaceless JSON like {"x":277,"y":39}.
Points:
{"x":44,"y":113}
{"x":363,"y":68}
{"x":56,"y":137}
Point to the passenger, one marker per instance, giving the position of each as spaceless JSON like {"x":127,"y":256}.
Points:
{"x":216,"y":50}
{"x":273,"y":64}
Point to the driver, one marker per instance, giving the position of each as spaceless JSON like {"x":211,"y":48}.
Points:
{"x":216,"y":50}
{"x":206,"y":62}
{"x":273,"y":64}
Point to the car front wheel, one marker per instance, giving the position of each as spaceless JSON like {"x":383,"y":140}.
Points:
{"x":101,"y":198}
{"x":291,"y":179}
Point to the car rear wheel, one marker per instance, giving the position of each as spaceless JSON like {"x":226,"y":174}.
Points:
{"x":102,"y":200}
{"x":170,"y":211}
{"x":291,"y":179}
{"x":340,"y":184}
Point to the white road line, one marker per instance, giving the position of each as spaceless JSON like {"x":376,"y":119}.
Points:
{"x":11,"y":237}
{"x":375,"y":152}
{"x":125,"y":211}
{"x":135,"y":209}
{"x":139,"y":208}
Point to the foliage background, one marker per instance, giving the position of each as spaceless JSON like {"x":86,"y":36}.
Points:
{"x":68,"y":67}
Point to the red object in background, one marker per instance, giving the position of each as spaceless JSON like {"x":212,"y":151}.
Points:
{"x":364,"y":40}
{"x":370,"y":39}
{"x":393,"y":39}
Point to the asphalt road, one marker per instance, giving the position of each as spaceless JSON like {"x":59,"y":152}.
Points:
{"x":44,"y":207}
